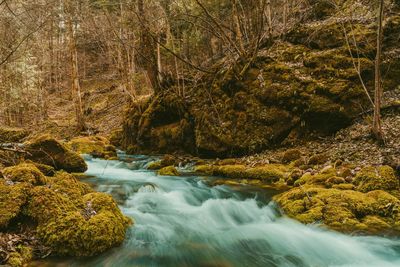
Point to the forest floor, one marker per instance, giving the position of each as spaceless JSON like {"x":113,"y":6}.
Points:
{"x":104,"y":105}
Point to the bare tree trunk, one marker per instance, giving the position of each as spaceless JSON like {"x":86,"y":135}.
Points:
{"x":269,"y":18}
{"x":377,"y":127}
{"x":147,"y":48}
{"x":76,"y":88}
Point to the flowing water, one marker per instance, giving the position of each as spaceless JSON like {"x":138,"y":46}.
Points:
{"x":181,"y":221}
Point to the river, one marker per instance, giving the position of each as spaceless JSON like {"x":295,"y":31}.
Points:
{"x":182,"y":221}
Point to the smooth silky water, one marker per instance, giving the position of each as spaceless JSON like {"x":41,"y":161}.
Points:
{"x":181,"y":221}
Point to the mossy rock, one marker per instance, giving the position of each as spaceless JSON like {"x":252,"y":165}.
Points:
{"x":47,"y":150}
{"x":167,"y":160}
{"x":380,"y":178}
{"x":21,"y":257}
{"x":12,"y":135}
{"x":155,"y":165}
{"x":204,"y":169}
{"x":12,"y":198}
{"x":268,"y":173}
{"x":25,"y":173}
{"x":168,"y":171}
{"x":318,"y":178}
{"x":342,"y":210}
{"x":73,"y":220}
{"x":116,"y":138}
{"x":45,"y":169}
{"x":97,"y":146}
{"x":93,"y":230}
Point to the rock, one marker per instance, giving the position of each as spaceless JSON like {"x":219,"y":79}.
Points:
{"x":12,"y":198}
{"x":335,"y":180}
{"x":270,"y":173}
{"x":97,"y":146}
{"x":47,"y":150}
{"x":380,"y":178}
{"x":167,"y":160}
{"x":25,"y":173}
{"x":291,"y":155}
{"x":45,"y":169}
{"x":294,"y":176}
{"x":316,"y":179}
{"x":12,"y":135}
{"x":318,"y":159}
{"x":342,"y":210}
{"x":168,"y":171}
{"x":69,"y":215}
{"x":155,"y":165}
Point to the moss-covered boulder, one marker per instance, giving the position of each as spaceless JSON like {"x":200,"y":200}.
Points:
{"x":73,"y":220}
{"x":270,"y":173}
{"x":168,"y":171}
{"x":47,"y":150}
{"x":12,"y":198}
{"x":25,"y":173}
{"x":343,"y":210}
{"x":85,"y":232}
{"x":96,"y":146}
{"x":376,"y":178}
{"x":12,"y":135}
{"x":59,"y":213}
{"x":307,"y":85}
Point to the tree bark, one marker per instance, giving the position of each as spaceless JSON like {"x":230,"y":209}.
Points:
{"x":75,"y":84}
{"x":147,"y":46}
{"x":377,"y":126}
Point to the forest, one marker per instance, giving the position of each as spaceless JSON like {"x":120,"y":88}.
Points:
{"x":200,"y":133}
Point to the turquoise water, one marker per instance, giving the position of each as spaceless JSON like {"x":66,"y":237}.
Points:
{"x":181,"y":221}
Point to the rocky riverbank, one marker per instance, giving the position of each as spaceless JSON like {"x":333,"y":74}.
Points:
{"x":45,"y":210}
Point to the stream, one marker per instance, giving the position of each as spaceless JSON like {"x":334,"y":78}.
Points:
{"x":181,"y":221}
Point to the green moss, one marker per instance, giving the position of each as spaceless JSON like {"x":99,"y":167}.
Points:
{"x":335,"y":180}
{"x":77,"y":224}
{"x":341,"y":210}
{"x":371,"y":178}
{"x":25,"y":173}
{"x":168,"y":171}
{"x":271,"y":173}
{"x":155,"y":165}
{"x":12,"y":199}
{"x":15,"y":260}
{"x":12,"y":135}
{"x":46,"y":204}
{"x":97,"y":146}
{"x":20,"y":257}
{"x":204,"y":169}
{"x":344,"y":186}
{"x":47,"y":150}
{"x":45,"y":169}
{"x":96,"y":228}
{"x":317,"y":179}
{"x":231,"y":171}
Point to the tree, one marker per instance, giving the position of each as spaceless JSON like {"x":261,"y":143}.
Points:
{"x":75,"y":84}
{"x":377,"y":126}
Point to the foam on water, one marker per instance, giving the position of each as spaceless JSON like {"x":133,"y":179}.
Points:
{"x":180,"y":221}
